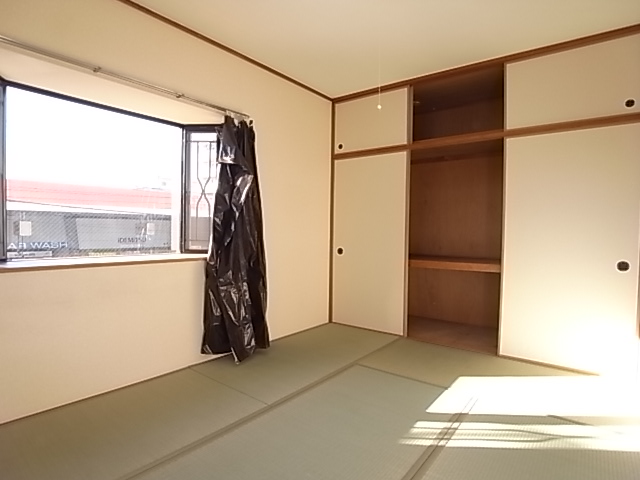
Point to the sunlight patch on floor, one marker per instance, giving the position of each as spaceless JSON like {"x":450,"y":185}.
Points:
{"x":569,"y":413}
{"x":583,"y":396}
{"x":470,"y":434}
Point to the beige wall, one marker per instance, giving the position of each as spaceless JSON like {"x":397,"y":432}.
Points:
{"x":51,"y":322}
{"x":69,"y":334}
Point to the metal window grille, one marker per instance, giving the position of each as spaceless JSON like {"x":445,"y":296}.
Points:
{"x":200,"y":183}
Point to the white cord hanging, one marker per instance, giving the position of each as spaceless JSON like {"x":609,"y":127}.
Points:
{"x":379,"y":34}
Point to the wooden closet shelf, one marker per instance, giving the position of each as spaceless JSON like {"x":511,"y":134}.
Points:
{"x":455,"y":263}
{"x":439,"y":148}
{"x":457,"y":147}
{"x":474,"y":137}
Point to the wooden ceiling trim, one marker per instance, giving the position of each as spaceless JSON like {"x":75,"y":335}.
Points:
{"x":492,"y":62}
{"x":220,"y":46}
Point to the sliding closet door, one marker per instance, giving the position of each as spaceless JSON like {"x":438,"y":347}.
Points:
{"x":370,"y":255}
{"x":570,"y":272}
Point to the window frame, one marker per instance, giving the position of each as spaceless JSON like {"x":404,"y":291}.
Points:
{"x":3,"y":183}
{"x":185,"y":213}
{"x":185,"y":167}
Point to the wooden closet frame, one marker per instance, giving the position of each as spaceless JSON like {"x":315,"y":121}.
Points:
{"x":432,"y":145}
{"x":499,"y":133}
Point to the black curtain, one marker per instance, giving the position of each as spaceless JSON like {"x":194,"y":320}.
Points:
{"x":236,"y":290}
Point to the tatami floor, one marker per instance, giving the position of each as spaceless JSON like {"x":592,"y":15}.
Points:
{"x":337,"y":402}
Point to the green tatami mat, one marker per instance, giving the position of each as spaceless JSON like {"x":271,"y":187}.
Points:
{"x":443,"y":365}
{"x":518,"y":428}
{"x":533,"y":448}
{"x":111,"y":435}
{"x":353,"y":426}
{"x":295,"y":362}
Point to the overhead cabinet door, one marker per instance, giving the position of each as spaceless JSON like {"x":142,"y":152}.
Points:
{"x":592,"y":81}
{"x":370,"y":255}
{"x":570,"y":260}
{"x":360,"y":124}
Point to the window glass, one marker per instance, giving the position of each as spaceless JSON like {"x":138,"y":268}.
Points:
{"x":85,"y":181}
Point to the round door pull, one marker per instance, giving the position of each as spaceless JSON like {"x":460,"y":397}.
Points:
{"x":340,"y":250}
{"x":631,"y":102}
{"x":622,"y":266}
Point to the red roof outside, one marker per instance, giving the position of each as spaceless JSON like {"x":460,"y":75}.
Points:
{"x":58,"y":194}
{"x":61,"y":194}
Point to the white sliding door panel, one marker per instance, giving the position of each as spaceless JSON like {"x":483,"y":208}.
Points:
{"x":572,"y":210}
{"x":359,"y":124}
{"x":592,"y":81}
{"x":370,"y":231}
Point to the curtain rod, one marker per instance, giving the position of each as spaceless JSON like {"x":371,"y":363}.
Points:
{"x":107,"y":73}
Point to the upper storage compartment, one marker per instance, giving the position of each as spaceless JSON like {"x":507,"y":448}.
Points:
{"x":456,"y":105}
{"x":360,"y":124}
{"x":593,"y":81}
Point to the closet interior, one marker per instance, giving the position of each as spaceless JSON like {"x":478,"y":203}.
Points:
{"x":456,"y":210}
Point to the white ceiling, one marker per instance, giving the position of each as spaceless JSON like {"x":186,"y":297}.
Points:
{"x":342,"y":46}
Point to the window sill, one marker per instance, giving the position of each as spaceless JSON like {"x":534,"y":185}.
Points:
{"x":90,"y":262}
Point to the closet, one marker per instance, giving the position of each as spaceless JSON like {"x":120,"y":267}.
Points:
{"x":455,"y":210}
{"x":370,"y":213}
{"x":496,"y":208}
{"x":572,"y":217}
